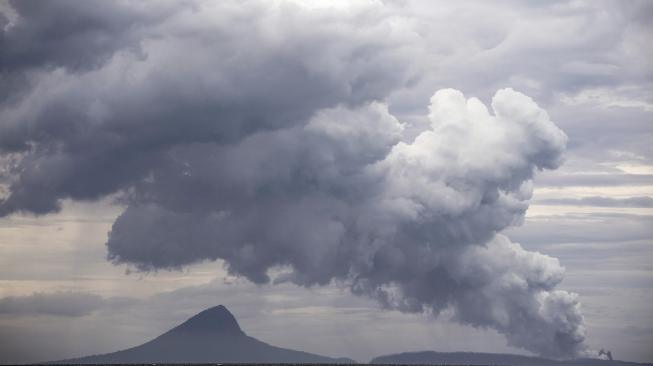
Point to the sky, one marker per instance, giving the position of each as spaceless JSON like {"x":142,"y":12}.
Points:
{"x":351,"y":179}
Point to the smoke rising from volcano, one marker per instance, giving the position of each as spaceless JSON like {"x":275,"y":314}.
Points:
{"x":269,"y":152}
{"x":414,"y":225}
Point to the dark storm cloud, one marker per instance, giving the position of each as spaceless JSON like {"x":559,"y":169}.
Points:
{"x":599,"y":201}
{"x":342,"y":198}
{"x":258,"y":133}
{"x":76,"y":36}
{"x":37,"y":36}
{"x":66,"y":303}
{"x":84,"y":135}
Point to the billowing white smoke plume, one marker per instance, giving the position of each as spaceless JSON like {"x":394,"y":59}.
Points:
{"x":413,"y":225}
{"x":276,"y":150}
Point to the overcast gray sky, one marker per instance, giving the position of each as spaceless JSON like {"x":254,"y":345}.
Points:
{"x":348,"y":178}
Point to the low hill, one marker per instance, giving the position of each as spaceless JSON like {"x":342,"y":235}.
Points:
{"x":470,"y":358}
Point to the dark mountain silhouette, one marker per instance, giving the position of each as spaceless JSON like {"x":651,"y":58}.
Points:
{"x":208,"y":337}
{"x":469,"y":358}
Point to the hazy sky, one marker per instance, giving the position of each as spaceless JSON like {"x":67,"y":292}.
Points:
{"x":348,"y":178}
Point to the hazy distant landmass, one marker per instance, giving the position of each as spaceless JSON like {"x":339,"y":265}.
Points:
{"x":470,"y":358}
{"x":208,"y":337}
{"x":214,"y":336}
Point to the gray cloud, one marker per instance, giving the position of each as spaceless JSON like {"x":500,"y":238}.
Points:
{"x":98,"y":132}
{"x":596,"y":84}
{"x":527,"y":45}
{"x":342,"y":198}
{"x":597,"y":132}
{"x":63,"y":303}
{"x":36,"y":37}
{"x":599,"y":201}
{"x":265,"y":135}
{"x":595,"y":180}
{"x":579,"y":228}
{"x":67,"y":34}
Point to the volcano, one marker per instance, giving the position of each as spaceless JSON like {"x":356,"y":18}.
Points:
{"x":212,"y":336}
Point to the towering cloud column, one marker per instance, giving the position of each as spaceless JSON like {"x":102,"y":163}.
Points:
{"x":413,"y":224}
{"x":267,"y":144}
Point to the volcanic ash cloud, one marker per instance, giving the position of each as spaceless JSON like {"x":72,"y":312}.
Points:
{"x":271,"y":148}
{"x":414,"y":225}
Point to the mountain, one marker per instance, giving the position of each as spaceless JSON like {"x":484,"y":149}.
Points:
{"x":208,"y":337}
{"x":469,"y":358}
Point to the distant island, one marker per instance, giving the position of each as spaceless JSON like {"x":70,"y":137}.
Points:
{"x":211,"y":336}
{"x":472,"y":358}
{"x":214,"y":336}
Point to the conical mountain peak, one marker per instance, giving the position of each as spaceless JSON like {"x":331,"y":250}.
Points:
{"x":212,"y":320}
{"x":211,"y":336}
